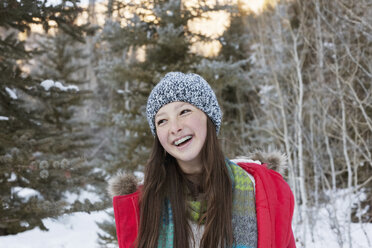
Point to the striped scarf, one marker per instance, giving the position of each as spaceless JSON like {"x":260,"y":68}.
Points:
{"x":244,"y":221}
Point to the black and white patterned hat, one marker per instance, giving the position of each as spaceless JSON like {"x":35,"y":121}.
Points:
{"x":180,"y":87}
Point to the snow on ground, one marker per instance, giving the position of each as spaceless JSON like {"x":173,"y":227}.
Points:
{"x":70,"y":231}
{"x":324,"y":236}
{"x":330,"y":220}
{"x":80,"y":229}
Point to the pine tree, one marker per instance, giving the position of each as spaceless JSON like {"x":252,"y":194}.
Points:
{"x":41,"y":159}
{"x":229,"y":74}
{"x":141,"y":48}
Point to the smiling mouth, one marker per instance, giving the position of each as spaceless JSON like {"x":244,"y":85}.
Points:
{"x":182,"y":140}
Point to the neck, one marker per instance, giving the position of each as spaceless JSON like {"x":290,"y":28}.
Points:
{"x":191,"y":168}
{"x":194,"y":184}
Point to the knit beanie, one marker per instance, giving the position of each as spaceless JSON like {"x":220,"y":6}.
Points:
{"x":180,"y":87}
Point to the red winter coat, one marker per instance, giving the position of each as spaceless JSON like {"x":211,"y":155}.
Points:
{"x":274,"y":210}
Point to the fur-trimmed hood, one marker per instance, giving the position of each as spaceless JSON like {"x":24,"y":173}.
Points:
{"x":127,"y":183}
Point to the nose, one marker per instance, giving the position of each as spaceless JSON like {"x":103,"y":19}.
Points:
{"x":175,"y":126}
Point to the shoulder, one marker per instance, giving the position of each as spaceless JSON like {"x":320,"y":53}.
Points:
{"x":267,"y":169}
{"x":275,"y":160}
{"x":274,"y":198}
{"x":258,"y":163}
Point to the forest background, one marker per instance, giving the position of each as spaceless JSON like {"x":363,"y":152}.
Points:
{"x":293,"y":76}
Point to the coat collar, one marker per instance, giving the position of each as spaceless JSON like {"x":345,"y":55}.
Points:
{"x":127,"y":183}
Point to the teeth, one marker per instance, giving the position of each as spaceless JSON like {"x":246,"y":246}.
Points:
{"x":182,"y":140}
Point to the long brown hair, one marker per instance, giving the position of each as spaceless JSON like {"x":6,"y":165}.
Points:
{"x":164,"y":180}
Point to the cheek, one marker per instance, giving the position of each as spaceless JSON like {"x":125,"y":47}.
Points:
{"x":200,"y":124}
{"x":162,"y":138}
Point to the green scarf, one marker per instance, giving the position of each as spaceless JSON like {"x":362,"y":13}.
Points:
{"x":244,"y":221}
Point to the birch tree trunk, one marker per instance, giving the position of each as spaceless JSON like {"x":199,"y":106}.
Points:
{"x":299,"y":134}
{"x":345,"y":148}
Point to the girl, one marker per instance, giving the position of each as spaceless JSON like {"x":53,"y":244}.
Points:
{"x":192,"y":196}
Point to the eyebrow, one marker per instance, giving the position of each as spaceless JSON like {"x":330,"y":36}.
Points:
{"x":178,"y":107}
{"x":158,"y":115}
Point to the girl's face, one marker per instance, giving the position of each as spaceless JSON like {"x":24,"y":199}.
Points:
{"x":182,"y":129}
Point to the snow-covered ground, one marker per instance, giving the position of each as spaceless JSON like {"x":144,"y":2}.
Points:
{"x":80,"y":229}
{"x":71,"y":231}
{"x":324,"y":236}
{"x":331,"y":225}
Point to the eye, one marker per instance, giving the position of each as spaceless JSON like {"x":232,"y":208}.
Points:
{"x":184,"y":111}
{"x":159,"y":122}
